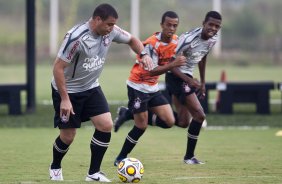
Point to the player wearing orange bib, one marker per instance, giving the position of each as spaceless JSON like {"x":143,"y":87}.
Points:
{"x":142,"y":85}
{"x":163,"y":53}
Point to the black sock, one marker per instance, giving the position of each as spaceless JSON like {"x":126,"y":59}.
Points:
{"x":59,"y":151}
{"x":193,"y":133}
{"x":98,"y":146}
{"x":154,"y":120}
{"x":161,"y":123}
{"x":130,"y":141}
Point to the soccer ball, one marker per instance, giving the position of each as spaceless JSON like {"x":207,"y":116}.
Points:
{"x":130,"y":170}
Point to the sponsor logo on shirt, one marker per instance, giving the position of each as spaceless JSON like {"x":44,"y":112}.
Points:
{"x":73,"y":49}
{"x":93,"y":63}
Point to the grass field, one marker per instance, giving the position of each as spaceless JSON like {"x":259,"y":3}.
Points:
{"x":232,"y":156}
{"x":238,"y":149}
{"x":113,"y":78}
{"x":234,"y":153}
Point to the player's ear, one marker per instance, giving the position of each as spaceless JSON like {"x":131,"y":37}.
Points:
{"x":97,"y":19}
{"x":161,"y":25}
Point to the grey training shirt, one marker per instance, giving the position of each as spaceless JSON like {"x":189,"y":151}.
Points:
{"x":86,"y":53}
{"x":194,"y":48}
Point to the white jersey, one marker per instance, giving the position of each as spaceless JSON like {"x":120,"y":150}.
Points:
{"x":86,"y":53}
{"x":194,"y":48}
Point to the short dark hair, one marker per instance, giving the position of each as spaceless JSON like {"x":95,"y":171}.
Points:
{"x":170,"y":14}
{"x":212,"y":14}
{"x":104,"y":11}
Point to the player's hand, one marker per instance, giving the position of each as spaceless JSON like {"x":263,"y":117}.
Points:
{"x":202,"y":92}
{"x":147,"y":63}
{"x":65,"y":110}
{"x":193,"y":82}
{"x":180,"y":60}
{"x":196,"y":84}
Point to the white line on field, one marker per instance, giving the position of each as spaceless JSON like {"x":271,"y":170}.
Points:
{"x":220,"y":177}
{"x":245,"y":127}
{"x":35,"y":182}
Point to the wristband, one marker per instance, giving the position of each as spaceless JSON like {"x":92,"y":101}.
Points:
{"x":142,"y":54}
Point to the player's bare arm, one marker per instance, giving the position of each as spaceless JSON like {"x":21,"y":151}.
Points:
{"x":192,"y":82}
{"x":137,"y":46}
{"x":179,"y":61}
{"x":202,"y":71}
{"x":58,"y":72}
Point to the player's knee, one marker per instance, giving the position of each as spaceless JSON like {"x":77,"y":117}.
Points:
{"x":142,"y":124}
{"x":182,"y":124}
{"x":183,"y":121}
{"x":200,"y":117}
{"x":107,"y":127}
{"x":68,"y":137}
{"x":170,"y":123}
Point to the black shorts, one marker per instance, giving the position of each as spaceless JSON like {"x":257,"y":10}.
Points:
{"x":85,"y":105}
{"x":178,"y":87}
{"x":141,"y":102}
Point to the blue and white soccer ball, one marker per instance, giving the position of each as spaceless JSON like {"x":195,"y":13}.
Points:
{"x":130,"y":170}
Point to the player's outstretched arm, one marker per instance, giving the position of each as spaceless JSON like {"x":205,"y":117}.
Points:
{"x":137,"y":46}
{"x":179,"y":61}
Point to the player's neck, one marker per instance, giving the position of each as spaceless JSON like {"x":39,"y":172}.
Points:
{"x":165,"y":39}
{"x":203,"y":36}
{"x":92,"y":27}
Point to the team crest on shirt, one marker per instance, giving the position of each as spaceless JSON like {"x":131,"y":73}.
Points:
{"x":137,"y":103}
{"x":106,"y":40}
{"x":186,"y":87}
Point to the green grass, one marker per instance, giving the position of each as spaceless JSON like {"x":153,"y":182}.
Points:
{"x":232,"y":156}
{"x":114,"y":76}
{"x":43,"y":117}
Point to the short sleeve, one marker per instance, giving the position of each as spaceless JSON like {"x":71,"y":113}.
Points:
{"x":152,"y":53}
{"x":69,"y":48}
{"x":181,"y":44}
{"x":121,"y":36}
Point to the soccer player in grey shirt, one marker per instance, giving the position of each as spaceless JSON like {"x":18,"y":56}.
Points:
{"x":195,"y":46}
{"x":76,"y":93}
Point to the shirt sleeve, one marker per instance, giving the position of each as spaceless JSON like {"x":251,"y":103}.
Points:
{"x":121,"y":36}
{"x":149,"y":49}
{"x":69,"y":48}
{"x":182,"y":45}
